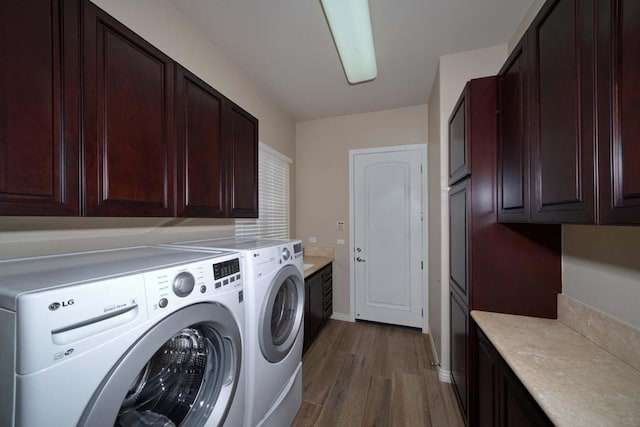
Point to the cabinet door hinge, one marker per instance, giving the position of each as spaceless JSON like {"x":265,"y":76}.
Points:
{"x":420,"y":168}
{"x":421,"y":265}
{"x":422,"y":312}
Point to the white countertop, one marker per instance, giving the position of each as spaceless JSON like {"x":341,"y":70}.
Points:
{"x":575,"y":382}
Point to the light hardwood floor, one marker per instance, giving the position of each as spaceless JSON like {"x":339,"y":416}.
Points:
{"x":362,"y":374}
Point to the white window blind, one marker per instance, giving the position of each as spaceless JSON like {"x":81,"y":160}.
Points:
{"x":273,"y":197}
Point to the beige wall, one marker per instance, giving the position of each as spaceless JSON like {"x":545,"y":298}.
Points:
{"x":601,"y":268}
{"x":524,"y":24}
{"x":434,"y":233}
{"x":454,"y":71}
{"x":322,"y":160}
{"x":166,"y":28}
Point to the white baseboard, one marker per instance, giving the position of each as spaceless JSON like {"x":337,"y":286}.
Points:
{"x":434,"y":351}
{"x":444,"y":376}
{"x":341,"y":316}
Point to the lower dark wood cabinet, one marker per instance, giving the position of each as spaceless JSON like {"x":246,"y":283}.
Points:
{"x":318,"y":303}
{"x":502,"y":399}
{"x":327,"y":287}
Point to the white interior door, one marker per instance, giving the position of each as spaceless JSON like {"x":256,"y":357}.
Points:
{"x":388,"y":236}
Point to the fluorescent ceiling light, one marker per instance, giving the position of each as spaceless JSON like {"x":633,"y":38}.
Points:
{"x":350,"y":25}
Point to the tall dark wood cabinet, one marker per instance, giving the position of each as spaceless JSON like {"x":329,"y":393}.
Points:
{"x":39,"y":107}
{"x":493,"y":267}
{"x":513,"y":136}
{"x":562,"y":112}
{"x":200,"y":147}
{"x":618,"y":88}
{"x":459,"y":164}
{"x":242,"y":162}
{"x":129,"y":145}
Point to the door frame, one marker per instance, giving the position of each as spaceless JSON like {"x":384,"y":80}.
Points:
{"x":425,"y":220}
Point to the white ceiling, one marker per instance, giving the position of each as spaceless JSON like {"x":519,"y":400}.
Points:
{"x":286,"y":48}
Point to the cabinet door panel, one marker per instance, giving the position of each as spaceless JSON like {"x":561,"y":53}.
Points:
{"x":618,"y":109}
{"x":459,"y":163}
{"x":629,"y":90}
{"x":313,"y":317}
{"x":487,"y":393}
{"x":39,"y":107}
{"x":513,"y":154}
{"x":129,"y":140}
{"x":243,"y":163}
{"x":327,"y":289}
{"x":200,"y":157}
{"x":459,"y":207}
{"x":459,"y":348}
{"x":563,"y":149}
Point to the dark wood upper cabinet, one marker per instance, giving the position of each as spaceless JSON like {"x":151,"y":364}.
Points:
{"x":129,"y":141}
{"x":459,"y":166}
{"x":562,"y":112}
{"x":513,"y":136}
{"x":39,"y":107}
{"x":200,"y":147}
{"x":242,"y":162}
{"x":618,"y":64}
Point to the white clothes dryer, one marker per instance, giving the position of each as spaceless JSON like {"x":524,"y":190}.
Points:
{"x":124,"y":337}
{"x":274,"y":296}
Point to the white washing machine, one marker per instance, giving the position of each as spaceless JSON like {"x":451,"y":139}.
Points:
{"x":274,"y":296}
{"x":125,"y":337}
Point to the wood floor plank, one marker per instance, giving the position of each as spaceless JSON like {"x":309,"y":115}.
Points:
{"x":307,"y":415}
{"x":436,"y":403}
{"x":348,"y":338}
{"x":373,"y":375}
{"x":367,"y":343}
{"x":378,"y":407}
{"x":451,"y":405}
{"x":423,"y":351}
{"x":402,"y":353}
{"x":409,"y":405}
{"x":380,"y":362}
{"x":319,"y":381}
{"x":346,"y":403}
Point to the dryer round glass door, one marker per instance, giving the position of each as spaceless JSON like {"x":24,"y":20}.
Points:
{"x":281,"y":314}
{"x":182,"y":372}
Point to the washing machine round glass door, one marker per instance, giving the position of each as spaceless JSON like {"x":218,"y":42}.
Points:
{"x":281,"y":314}
{"x":182,"y":372}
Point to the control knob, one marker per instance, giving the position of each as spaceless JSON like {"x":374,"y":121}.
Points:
{"x":183,"y":284}
{"x":286,"y":254}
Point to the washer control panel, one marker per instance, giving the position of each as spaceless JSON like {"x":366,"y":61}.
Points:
{"x":226,"y":272}
{"x":183,"y":284}
{"x":172,"y":287}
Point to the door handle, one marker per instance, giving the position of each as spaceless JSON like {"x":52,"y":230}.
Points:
{"x":361,"y":259}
